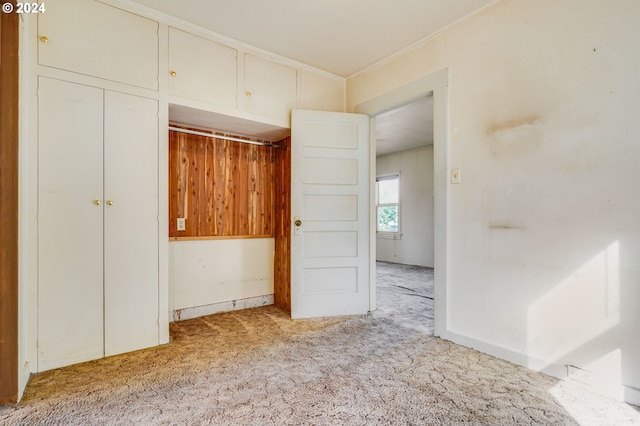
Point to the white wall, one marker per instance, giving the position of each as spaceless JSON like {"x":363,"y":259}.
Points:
{"x":544,"y":233}
{"x":207,"y":272}
{"x":415,"y":247}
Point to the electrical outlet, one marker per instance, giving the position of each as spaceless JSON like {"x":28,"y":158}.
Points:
{"x":455,"y":175}
{"x":181,"y":225}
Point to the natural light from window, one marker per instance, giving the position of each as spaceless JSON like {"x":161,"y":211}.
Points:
{"x":388,"y":203}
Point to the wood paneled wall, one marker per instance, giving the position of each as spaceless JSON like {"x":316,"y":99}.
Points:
{"x":222,"y":188}
{"x":8,"y":208}
{"x":282,"y":231}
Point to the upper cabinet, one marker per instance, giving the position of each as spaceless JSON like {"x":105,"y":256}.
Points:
{"x":202,"y":69}
{"x":270,"y":88}
{"x":95,"y":39}
{"x":321,"y":92}
{"x":203,"y":72}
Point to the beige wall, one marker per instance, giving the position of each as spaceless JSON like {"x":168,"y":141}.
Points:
{"x":544,"y":235}
{"x":416,"y":197}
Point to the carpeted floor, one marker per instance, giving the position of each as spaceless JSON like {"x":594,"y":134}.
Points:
{"x":258,"y":367}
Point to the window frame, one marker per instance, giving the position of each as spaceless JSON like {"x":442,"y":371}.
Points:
{"x":395,"y":235}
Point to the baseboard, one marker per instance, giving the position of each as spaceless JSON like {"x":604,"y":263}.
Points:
{"x":553,"y":369}
{"x":228,"y":306}
{"x":24,"y":376}
{"x":631,"y":395}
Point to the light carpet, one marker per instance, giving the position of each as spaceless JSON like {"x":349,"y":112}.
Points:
{"x":259,"y":367}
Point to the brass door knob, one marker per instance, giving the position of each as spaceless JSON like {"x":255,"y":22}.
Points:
{"x":173,"y":73}
{"x":248,"y":93}
{"x":96,"y":202}
{"x":109,"y":203}
{"x":44,"y":39}
{"x":298,"y":222}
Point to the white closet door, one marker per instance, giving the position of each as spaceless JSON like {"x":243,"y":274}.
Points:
{"x":204,"y":70}
{"x":270,"y":88}
{"x":131,"y":222}
{"x":70,"y":310}
{"x":93,"y":38}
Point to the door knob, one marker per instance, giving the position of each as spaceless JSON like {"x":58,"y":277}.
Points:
{"x":298,"y":222}
{"x":96,"y":202}
{"x":110,"y":203}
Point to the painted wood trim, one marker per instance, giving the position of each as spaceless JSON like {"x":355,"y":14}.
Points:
{"x":9,"y":33}
{"x":213,"y":237}
{"x":282,"y":227}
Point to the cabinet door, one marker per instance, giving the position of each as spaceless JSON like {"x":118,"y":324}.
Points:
{"x":93,"y":38}
{"x":321,"y":92}
{"x":70,"y":302}
{"x":270,"y":88}
{"x":202,"y":69}
{"x":131,"y":223}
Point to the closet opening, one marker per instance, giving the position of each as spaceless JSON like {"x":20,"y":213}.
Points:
{"x":229,"y":210}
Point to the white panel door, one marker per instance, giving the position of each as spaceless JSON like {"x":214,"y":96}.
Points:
{"x":130,"y":223}
{"x":330,"y":198}
{"x":70,"y":186}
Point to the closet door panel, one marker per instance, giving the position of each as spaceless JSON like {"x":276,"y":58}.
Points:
{"x":270,"y":88}
{"x":70,"y":268}
{"x":131,"y":222}
{"x":321,"y":92}
{"x":202,"y":69}
{"x":92,"y":38}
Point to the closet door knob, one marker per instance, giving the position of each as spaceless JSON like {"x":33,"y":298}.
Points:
{"x":109,"y":203}
{"x":173,"y":73}
{"x":44,"y":39}
{"x":96,"y":202}
{"x":248,"y":93}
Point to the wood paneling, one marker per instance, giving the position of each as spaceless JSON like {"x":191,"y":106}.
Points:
{"x":282,"y":225}
{"x":8,"y":208}
{"x":222,"y":188}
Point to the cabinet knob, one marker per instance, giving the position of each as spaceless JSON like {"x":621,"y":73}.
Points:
{"x":248,"y":93}
{"x":109,"y":203}
{"x":44,"y":39}
{"x":173,"y":73}
{"x":96,"y":202}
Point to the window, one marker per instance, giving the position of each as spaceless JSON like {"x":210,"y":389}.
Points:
{"x":388,"y":203}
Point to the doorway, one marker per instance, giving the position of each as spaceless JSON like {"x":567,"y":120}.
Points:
{"x":435,"y":85}
{"x":404,"y":241}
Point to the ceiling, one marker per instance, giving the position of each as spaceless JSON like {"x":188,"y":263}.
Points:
{"x":407,"y":127}
{"x":338,"y":36}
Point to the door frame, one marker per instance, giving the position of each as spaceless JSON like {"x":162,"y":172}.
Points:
{"x":436,"y":84}
{"x":9,"y":199}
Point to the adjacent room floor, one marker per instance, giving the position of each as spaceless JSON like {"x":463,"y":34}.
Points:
{"x":405,"y":294}
{"x":258,"y":366}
